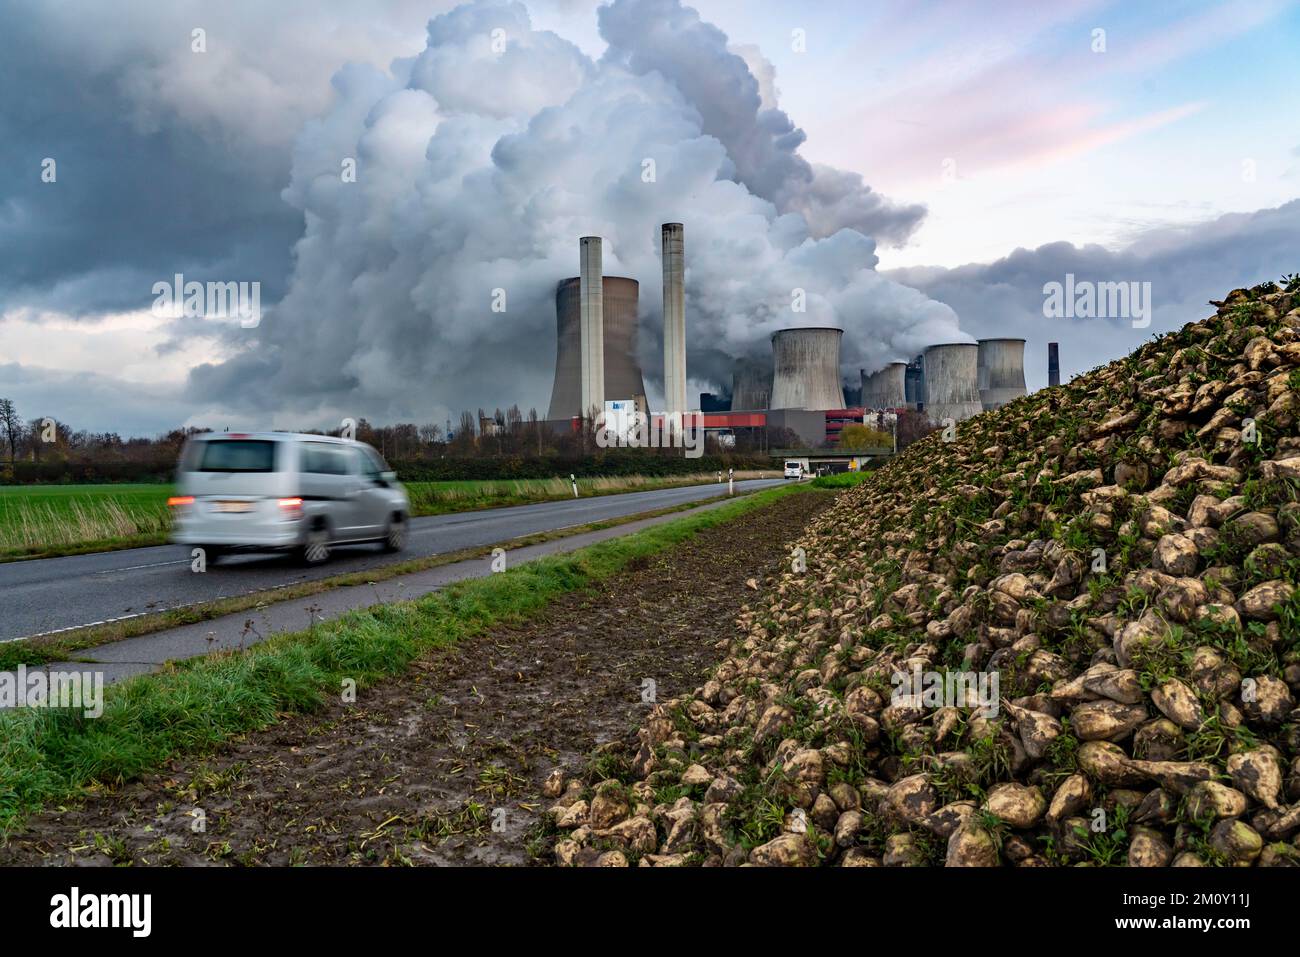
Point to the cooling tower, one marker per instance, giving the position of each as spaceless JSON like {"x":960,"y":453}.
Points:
{"x":671,"y":236}
{"x":1001,"y":371}
{"x":952,"y":381}
{"x":1053,"y":364}
{"x":591,"y":336}
{"x":869,"y":389}
{"x":622,"y":373}
{"x":751,"y":385}
{"x":807,"y":369}
{"x":887,"y":388}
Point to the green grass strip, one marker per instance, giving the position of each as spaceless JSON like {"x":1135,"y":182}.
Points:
{"x":50,"y":755}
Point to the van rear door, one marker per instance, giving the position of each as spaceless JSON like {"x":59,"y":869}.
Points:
{"x":237,"y":478}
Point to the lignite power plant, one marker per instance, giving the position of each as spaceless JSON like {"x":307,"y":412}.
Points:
{"x":799,"y":387}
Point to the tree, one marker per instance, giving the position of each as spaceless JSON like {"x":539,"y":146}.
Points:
{"x":11,"y":427}
{"x":858,"y":436}
{"x":912,"y":425}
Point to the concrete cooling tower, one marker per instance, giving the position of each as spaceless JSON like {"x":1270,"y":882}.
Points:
{"x":623,"y":378}
{"x":751,"y":385}
{"x":952,"y":381}
{"x":887,"y":388}
{"x":806,"y":364}
{"x":1001,"y":371}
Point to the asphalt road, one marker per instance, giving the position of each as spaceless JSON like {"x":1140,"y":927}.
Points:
{"x":56,"y":594}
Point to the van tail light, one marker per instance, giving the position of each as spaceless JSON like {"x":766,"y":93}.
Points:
{"x":178,"y":500}
{"x":292,"y":505}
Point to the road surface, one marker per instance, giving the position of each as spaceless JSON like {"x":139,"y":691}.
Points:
{"x":56,"y":594}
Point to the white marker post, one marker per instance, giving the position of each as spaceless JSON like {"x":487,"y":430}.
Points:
{"x":574,"y":480}
{"x":731,"y":481}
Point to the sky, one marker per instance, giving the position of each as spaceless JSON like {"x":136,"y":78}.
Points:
{"x":919,"y":170}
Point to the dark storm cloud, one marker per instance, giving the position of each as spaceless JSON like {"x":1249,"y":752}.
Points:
{"x":137,"y":197}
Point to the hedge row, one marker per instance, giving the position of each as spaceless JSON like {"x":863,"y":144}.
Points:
{"x":425,"y":470}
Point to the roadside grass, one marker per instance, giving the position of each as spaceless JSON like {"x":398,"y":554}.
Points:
{"x":45,"y":521}
{"x":51,"y":755}
{"x":52,"y":519}
{"x":840,"y":480}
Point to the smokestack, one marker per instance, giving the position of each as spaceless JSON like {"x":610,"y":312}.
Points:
{"x":1053,"y":364}
{"x":952,"y":381}
{"x":591,"y":293}
{"x":1001,"y":371}
{"x":623,"y":379}
{"x":674,"y":318}
{"x":751,"y":385}
{"x":807,"y":369}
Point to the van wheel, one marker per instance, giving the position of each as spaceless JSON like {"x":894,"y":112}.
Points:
{"x":316,"y":548}
{"x":395,"y":537}
{"x":212,"y":553}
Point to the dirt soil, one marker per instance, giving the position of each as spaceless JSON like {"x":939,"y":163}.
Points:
{"x":445,"y":764}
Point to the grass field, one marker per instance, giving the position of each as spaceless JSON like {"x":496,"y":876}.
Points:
{"x":48,"y":755}
{"x":46,"y":520}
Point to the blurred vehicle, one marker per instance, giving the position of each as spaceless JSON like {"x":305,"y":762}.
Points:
{"x":794,"y":470}
{"x":282,"y":491}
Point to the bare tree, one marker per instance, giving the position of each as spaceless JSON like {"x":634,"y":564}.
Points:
{"x":11,"y":427}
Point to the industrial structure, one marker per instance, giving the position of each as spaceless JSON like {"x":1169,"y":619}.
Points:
{"x":1000,"y":372}
{"x":806,"y":368}
{"x":622,"y":372}
{"x":1053,"y":364}
{"x":674,"y":270}
{"x":591,"y":310}
{"x":751,"y":385}
{"x":914,"y":384}
{"x":886,"y":388}
{"x":952,"y":381}
{"x":800,"y":389}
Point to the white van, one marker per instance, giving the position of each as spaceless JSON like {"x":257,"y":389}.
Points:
{"x":266,"y":491}
{"x":794,"y":469}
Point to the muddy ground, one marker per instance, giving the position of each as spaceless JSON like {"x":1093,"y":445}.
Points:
{"x":445,"y":764}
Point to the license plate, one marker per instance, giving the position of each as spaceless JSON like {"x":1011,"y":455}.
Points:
{"x":234,"y":506}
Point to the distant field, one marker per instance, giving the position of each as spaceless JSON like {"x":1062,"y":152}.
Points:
{"x":44,"y":520}
{"x":61,"y":519}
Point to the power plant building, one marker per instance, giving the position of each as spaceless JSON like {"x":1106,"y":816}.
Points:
{"x":886,"y":388}
{"x":1001,"y":371}
{"x":621,"y":371}
{"x":674,"y":273}
{"x":591,"y":325}
{"x":751,"y":385}
{"x":806,"y":369}
{"x":952,"y":381}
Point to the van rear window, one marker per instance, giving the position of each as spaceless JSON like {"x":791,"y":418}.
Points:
{"x":236,"y":455}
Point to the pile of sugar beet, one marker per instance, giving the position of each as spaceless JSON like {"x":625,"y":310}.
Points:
{"x":1122,"y":551}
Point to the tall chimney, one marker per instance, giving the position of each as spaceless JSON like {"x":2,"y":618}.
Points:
{"x":1053,"y":364}
{"x":674,"y":319}
{"x":591,"y":309}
